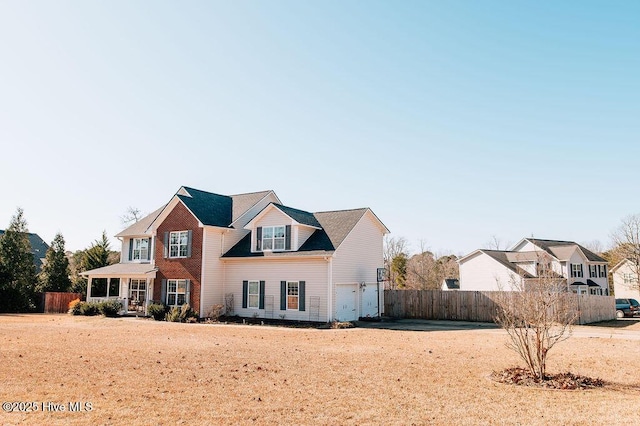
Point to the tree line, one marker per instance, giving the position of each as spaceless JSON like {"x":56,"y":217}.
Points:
{"x":21,"y":284}
{"x":425,"y":270}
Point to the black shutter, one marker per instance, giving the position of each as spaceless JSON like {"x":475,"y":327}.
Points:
{"x":259,"y":238}
{"x":301,"y":295}
{"x":131,"y":249}
{"x":166,"y":245}
{"x":245,"y":293}
{"x":570,"y":272}
{"x":189,"y":239}
{"x":261,"y":306}
{"x":163,"y":291}
{"x":581,"y":271}
{"x":287,"y":237}
{"x":150,"y":239}
{"x":283,"y":295}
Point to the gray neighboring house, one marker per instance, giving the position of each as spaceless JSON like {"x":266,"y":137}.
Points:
{"x":38,"y":249}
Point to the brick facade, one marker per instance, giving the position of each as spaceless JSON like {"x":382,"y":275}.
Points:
{"x":180,"y":219}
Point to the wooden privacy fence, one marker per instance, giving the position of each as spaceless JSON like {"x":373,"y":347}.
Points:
{"x":478,"y":306}
{"x":58,"y":302}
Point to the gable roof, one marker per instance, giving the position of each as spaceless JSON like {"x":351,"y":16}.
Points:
{"x":38,"y":248}
{"x":209,"y":208}
{"x":502,"y":257}
{"x":243,"y":202}
{"x":335,"y":226}
{"x":300,"y":216}
{"x":560,"y":250}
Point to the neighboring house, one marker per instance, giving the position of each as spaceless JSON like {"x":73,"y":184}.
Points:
{"x":487,"y":270}
{"x":38,"y":249}
{"x":251,"y":254}
{"x":451,"y":284}
{"x":625,"y":280}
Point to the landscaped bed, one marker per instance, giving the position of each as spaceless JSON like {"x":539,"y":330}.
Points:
{"x":137,"y":371}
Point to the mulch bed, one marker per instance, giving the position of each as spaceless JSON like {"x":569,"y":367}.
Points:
{"x":563,"y":381}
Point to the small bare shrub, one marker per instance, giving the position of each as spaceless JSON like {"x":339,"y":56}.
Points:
{"x":216,"y":312}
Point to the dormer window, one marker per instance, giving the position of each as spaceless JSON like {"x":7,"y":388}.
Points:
{"x":273,"y":238}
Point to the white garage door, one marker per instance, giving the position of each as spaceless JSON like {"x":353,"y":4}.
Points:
{"x":346,"y":302}
{"x":369,"y":299}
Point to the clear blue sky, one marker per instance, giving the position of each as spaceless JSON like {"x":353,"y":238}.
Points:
{"x":453,"y":120}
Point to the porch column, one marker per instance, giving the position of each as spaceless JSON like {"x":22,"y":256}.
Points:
{"x":88,"y":287}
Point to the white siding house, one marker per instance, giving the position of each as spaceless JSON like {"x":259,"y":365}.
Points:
{"x":489,"y":270}
{"x":625,"y":280}
{"x":251,"y":254}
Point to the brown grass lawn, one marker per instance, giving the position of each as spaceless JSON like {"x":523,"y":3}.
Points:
{"x":144,"y":372}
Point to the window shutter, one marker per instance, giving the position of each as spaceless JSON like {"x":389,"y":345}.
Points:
{"x":189,"y":239}
{"x":187,"y":296}
{"x":259,"y":238}
{"x":261,"y":305}
{"x":301,"y":295}
{"x":245,"y":293}
{"x":581,"y":272}
{"x":570,"y":274}
{"x":166,"y":244}
{"x":283,"y":295}
{"x":163,"y":292}
{"x":287,"y":237}
{"x":150,"y":239}
{"x":131,"y":249}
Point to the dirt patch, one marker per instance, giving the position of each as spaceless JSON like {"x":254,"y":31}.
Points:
{"x":136,"y":371}
{"x":562,"y":381}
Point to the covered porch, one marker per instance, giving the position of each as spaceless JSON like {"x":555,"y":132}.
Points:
{"x":129,"y":283}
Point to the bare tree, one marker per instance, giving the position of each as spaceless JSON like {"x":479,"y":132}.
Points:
{"x":626,"y":242}
{"x":395,"y":260}
{"x":537,"y":313}
{"x":132,"y":215}
{"x":495,"y":243}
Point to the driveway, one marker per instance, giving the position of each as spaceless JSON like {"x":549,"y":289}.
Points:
{"x":606,"y":331}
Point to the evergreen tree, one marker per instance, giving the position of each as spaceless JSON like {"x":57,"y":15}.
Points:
{"x":17,"y":271}
{"x":55,"y":272}
{"x":97,"y":255}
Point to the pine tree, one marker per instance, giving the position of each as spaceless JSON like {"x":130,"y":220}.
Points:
{"x":55,"y":272}
{"x":17,"y":271}
{"x":97,"y":255}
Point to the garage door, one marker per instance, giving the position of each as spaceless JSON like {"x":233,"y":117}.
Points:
{"x":346,"y":302}
{"x":369,"y":299}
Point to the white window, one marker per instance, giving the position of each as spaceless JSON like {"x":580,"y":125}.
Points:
{"x":178,"y":243}
{"x":593,"y":271}
{"x":292,"y":295}
{"x":176,"y":292}
{"x":576,"y":270}
{"x":273,"y":238}
{"x":253,"y":294}
{"x":140,"y":249}
{"x":629,"y":278}
{"x":602,"y":271}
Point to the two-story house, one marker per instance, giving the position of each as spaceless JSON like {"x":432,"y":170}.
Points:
{"x":625,"y":280}
{"x":583,"y":271}
{"x":251,"y":254}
